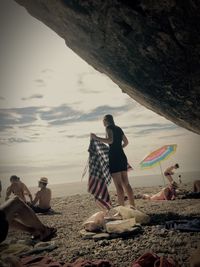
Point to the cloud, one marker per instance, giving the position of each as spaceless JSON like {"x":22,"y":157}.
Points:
{"x":59,"y":115}
{"x":154,"y":127}
{"x":70,"y":136}
{"x":40,"y":82}
{"x":54,"y":116}
{"x":17,"y":140}
{"x":172,"y":135}
{"x":65,"y":114}
{"x":89,"y":91}
{"x":101,"y":111}
{"x":47,"y":70}
{"x":17,"y":116}
{"x":3,"y":128}
{"x":35,"y":96}
{"x":12,"y":140}
{"x":83,"y":86}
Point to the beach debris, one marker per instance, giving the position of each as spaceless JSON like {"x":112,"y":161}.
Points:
{"x":101,"y":236}
{"x":120,"y":226}
{"x":127,"y":213}
{"x":40,"y":247}
{"x":152,"y":259}
{"x":86,"y":235}
{"x":95,"y":222}
{"x":184,"y":225}
{"x":13,"y":249}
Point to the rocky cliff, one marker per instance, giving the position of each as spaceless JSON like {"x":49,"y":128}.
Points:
{"x":150,"y":48}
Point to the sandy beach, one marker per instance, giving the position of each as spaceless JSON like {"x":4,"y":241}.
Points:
{"x":73,"y":210}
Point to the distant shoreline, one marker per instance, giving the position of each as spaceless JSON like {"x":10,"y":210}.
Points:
{"x":80,"y":187}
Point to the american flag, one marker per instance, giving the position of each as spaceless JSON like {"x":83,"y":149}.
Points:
{"x":99,"y":174}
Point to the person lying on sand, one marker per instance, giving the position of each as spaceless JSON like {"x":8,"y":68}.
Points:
{"x":195,"y":193}
{"x":169,"y":172}
{"x":167,"y":193}
{"x":18,"y":189}
{"x":43,"y":196}
{"x":15,"y":213}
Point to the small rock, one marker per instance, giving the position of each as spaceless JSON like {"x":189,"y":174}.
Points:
{"x":86,"y":235}
{"x":101,"y":236}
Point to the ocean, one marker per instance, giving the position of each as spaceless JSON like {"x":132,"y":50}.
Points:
{"x":80,"y":187}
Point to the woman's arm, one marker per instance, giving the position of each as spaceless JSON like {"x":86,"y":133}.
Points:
{"x":108,"y":140}
{"x":125,"y":141}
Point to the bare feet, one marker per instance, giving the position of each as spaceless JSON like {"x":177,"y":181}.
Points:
{"x":45,"y":235}
{"x":48,"y":233}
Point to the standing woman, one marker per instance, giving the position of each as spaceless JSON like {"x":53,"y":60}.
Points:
{"x":117,"y":140}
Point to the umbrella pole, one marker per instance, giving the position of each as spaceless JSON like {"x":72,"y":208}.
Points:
{"x":162,"y":173}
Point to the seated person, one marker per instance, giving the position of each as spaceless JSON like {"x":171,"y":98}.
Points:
{"x":0,"y":188}
{"x":15,"y":213}
{"x":18,"y":189}
{"x":196,"y":186}
{"x":169,"y":172}
{"x":180,"y":179}
{"x":167,"y":193}
{"x":43,"y":196}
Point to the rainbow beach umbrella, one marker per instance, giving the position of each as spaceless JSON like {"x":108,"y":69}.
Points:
{"x":155,"y":157}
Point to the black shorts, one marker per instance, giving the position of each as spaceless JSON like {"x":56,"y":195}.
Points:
{"x":37,"y":209}
{"x":117,"y":163}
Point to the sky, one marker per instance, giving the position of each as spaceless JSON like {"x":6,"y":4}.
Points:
{"x":51,"y":100}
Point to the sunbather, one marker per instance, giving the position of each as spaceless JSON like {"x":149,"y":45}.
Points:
{"x":18,"y":189}
{"x":167,"y":193}
{"x":15,"y":213}
{"x":42,"y":197}
{"x":196,"y":186}
{"x":0,"y":188}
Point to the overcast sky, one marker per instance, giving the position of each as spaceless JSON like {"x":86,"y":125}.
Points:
{"x":50,"y":101}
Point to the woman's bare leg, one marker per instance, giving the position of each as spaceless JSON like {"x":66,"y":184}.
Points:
{"x":170,"y":179}
{"x":22,"y":227}
{"x":119,"y":188}
{"x":127,"y":187}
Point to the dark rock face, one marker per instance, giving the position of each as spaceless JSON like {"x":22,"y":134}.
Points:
{"x":150,"y":48}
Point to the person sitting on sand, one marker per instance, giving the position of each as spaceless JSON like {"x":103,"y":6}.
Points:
{"x":43,"y":196}
{"x":16,"y":214}
{"x":180,"y":179}
{"x":0,"y":188}
{"x":167,"y":193}
{"x":18,"y":189}
{"x":196,"y":186}
{"x":169,"y":172}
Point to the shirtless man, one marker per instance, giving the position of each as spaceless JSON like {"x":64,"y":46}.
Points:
{"x":43,"y":196}
{"x":196,"y":185}
{"x":18,"y":188}
{"x":167,"y":193}
{"x":169,"y":172}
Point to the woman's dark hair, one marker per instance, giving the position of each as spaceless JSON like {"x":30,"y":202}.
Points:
{"x":109,"y":119}
{"x":4,"y":226}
